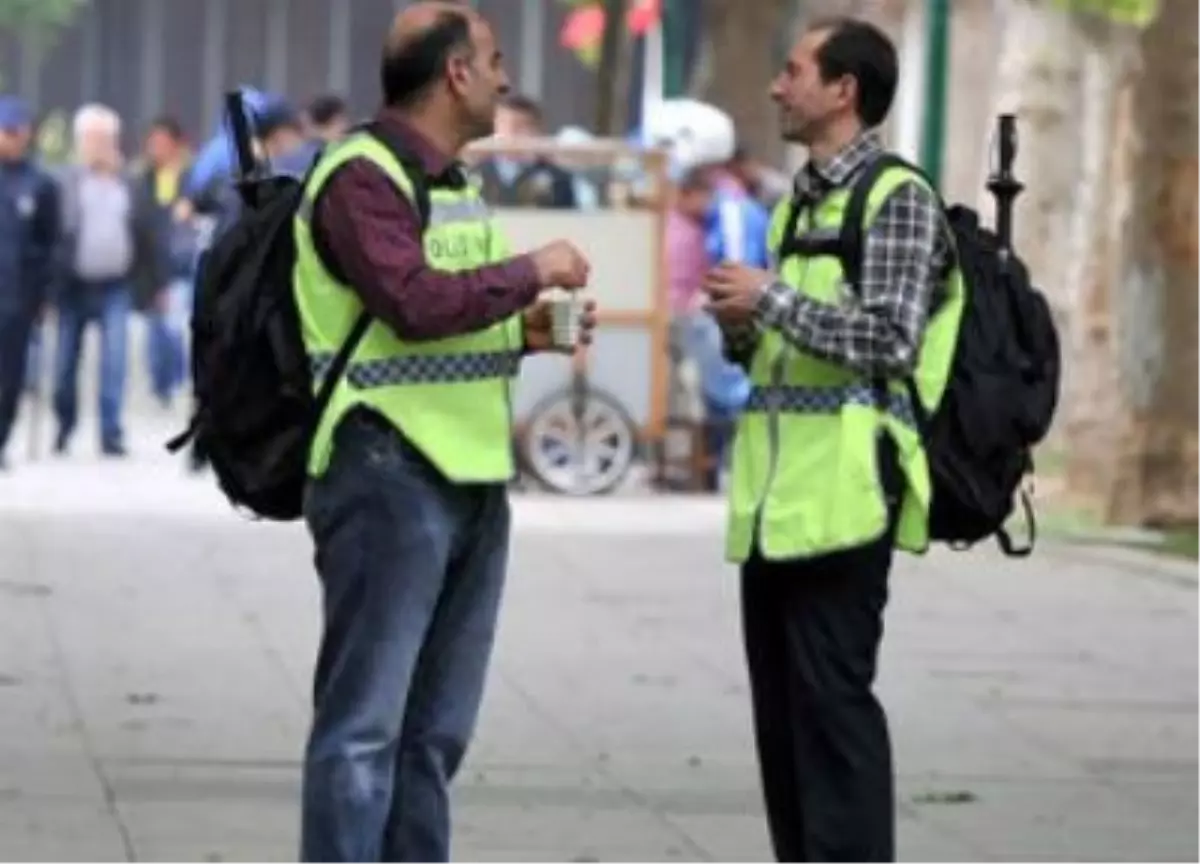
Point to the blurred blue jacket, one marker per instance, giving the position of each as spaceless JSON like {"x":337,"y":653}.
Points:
{"x":737,"y":228}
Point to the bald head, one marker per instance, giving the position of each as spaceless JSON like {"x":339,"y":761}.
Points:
{"x":440,"y":58}
{"x":424,"y":38}
{"x":416,"y":20}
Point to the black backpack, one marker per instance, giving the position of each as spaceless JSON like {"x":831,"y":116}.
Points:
{"x":1003,"y":386}
{"x":255,"y":408}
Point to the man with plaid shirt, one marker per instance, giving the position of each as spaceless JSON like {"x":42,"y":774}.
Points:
{"x":815,"y":573}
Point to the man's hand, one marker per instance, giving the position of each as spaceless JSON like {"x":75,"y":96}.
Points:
{"x":561,"y":265}
{"x":539,"y":327}
{"x":734,"y":291}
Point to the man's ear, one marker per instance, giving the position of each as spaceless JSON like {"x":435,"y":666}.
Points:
{"x":849,"y":90}
{"x":458,"y":72}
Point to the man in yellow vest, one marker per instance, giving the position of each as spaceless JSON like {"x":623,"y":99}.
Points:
{"x":407,"y":500}
{"x":829,"y":474}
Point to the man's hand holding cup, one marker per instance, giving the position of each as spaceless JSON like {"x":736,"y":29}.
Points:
{"x":562,"y":322}
{"x":561,"y":265}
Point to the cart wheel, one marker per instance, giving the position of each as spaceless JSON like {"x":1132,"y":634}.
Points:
{"x":570,"y":463}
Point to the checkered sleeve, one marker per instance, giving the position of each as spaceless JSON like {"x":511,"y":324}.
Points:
{"x":876,"y":330}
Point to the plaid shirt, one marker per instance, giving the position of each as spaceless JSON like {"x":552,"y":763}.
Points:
{"x":877,"y":330}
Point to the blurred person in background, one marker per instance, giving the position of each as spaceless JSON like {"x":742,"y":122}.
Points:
{"x":161,"y":185}
{"x":327,"y":119}
{"x":699,"y":139}
{"x":724,"y":387}
{"x":280,"y":137}
{"x":586,"y":175}
{"x":278,"y":141}
{"x":524,"y":181}
{"x":29,"y":228}
{"x":687,"y":230}
{"x":110,"y":240}
{"x":759,"y":180}
{"x":739,"y":222}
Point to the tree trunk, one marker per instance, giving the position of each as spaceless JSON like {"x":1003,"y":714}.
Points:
{"x":1156,"y":298}
{"x":975,"y":30}
{"x":612,"y":77}
{"x":1090,"y":398}
{"x":1039,"y":80}
{"x":747,"y":44}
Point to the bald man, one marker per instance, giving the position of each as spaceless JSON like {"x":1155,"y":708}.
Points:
{"x":407,"y":501}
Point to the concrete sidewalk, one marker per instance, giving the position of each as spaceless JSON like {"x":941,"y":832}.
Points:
{"x":156,"y":655}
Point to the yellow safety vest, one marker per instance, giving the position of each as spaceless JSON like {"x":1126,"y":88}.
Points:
{"x":451,"y":398}
{"x":804,"y":478}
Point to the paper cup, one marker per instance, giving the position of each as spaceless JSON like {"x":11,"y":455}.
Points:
{"x":565,"y":313}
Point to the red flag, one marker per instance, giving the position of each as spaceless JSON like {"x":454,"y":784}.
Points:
{"x":584,"y":27}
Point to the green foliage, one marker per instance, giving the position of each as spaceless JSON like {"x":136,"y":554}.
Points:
{"x":1134,"y":13}
{"x":37,"y":20}
{"x":15,"y":14}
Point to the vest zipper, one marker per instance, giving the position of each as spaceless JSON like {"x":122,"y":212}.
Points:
{"x":507,"y":381}
{"x":507,"y":384}
{"x":773,"y":409}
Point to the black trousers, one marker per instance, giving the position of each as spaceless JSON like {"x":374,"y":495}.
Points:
{"x":15,"y":329}
{"x":812,"y":629}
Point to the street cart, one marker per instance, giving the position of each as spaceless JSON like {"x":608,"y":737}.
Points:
{"x":582,"y":423}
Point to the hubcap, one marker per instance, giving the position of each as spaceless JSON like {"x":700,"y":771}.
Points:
{"x":580,"y":459}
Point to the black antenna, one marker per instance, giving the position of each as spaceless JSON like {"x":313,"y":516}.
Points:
{"x":247,"y":168}
{"x":1003,"y":185}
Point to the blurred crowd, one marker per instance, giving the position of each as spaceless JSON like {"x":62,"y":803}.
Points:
{"x":110,"y":235}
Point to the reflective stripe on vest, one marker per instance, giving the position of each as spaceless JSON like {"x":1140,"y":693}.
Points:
{"x":796,"y":399}
{"x":423,"y":369}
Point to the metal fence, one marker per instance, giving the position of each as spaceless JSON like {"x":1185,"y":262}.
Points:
{"x":144,"y":57}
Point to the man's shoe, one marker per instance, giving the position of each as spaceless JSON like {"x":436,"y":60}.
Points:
{"x":115,"y":450}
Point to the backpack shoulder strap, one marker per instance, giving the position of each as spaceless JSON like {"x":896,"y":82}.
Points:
{"x":851,"y":241}
{"x":853,"y":232}
{"x":420,"y":183}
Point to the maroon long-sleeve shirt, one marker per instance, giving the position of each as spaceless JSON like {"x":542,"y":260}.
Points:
{"x":370,"y":235}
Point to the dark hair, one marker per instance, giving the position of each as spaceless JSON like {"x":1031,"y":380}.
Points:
{"x":410,"y":67}
{"x":326,"y":108}
{"x":526,"y":105}
{"x":862,"y":51}
{"x":168,"y":124}
{"x":277,"y":116}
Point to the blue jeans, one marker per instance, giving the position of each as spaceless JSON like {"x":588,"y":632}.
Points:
{"x":725,"y":385}
{"x":412,"y":568}
{"x":108,"y":304}
{"x":166,"y":344}
{"x":34,"y":360}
